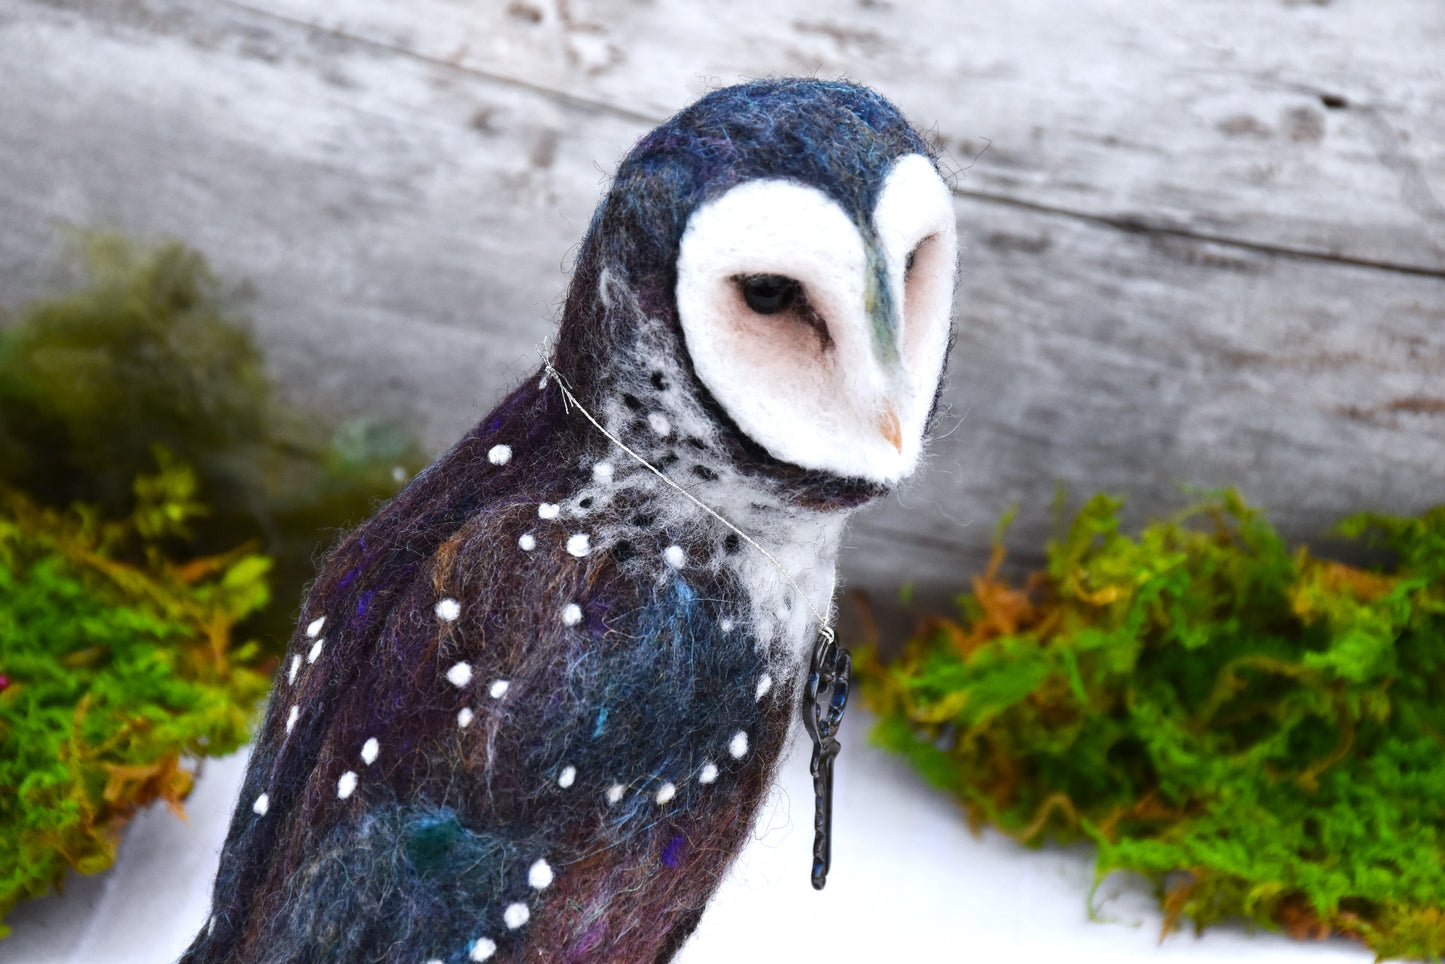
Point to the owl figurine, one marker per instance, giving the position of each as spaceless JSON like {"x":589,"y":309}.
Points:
{"x":530,"y":708}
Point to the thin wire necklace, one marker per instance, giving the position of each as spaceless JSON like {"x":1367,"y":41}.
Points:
{"x":825,"y":696}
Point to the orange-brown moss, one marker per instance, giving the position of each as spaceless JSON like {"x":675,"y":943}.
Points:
{"x":1256,"y":731}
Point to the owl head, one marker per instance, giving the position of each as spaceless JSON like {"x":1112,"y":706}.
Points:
{"x":798,"y":244}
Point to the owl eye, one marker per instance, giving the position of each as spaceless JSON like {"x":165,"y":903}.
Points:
{"x":912,"y":258}
{"x":769,"y":294}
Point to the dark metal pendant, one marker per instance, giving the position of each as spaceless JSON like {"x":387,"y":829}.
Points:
{"x":824,"y":700}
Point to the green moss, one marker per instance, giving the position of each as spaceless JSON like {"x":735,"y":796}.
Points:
{"x":1258,"y":732}
{"x":122,"y":588}
{"x":154,"y":349}
{"x":115,"y":663}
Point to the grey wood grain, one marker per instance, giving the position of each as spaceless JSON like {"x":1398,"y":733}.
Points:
{"x":1317,"y":126}
{"x":1164,"y":281}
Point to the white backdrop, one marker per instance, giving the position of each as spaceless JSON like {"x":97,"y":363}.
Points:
{"x":909,"y":884}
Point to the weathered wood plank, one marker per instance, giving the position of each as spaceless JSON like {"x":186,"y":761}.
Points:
{"x":1136,"y":364}
{"x":405,"y":223}
{"x":1305,"y":125}
{"x":406,"y":228}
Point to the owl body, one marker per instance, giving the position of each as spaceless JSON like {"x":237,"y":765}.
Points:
{"x":531,"y":708}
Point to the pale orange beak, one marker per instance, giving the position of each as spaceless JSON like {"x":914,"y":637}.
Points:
{"x":888,"y":426}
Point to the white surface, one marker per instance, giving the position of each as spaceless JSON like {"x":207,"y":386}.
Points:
{"x":149,"y":905}
{"x":909,"y":883}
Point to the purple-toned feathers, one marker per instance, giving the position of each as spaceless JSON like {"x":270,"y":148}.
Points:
{"x":531,"y":708}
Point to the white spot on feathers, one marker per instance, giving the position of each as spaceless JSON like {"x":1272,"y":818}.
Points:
{"x":516,"y":915}
{"x":765,"y":683}
{"x":314,"y":628}
{"x":295,"y":668}
{"x":460,"y":674}
{"x":726,"y":625}
{"x":567,"y":777}
{"x":500,"y":454}
{"x":615,"y":792}
{"x":262,"y":804}
{"x":528,"y":542}
{"x":482,"y":950}
{"x":346,"y":786}
{"x":602,"y":472}
{"x":312,"y":656}
{"x":548,"y":510}
{"x":659,"y":423}
{"x":464,"y":717}
{"x":674,"y":557}
{"x":738,"y":745}
{"x":708,"y":773}
{"x":668,"y":791}
{"x":499,"y":688}
{"x":578,"y":545}
{"x":448,"y":610}
{"x":369,"y":751}
{"x":540,"y":876}
{"x":571,"y":615}
{"x":291,"y":717}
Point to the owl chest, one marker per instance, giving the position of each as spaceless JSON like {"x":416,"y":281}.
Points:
{"x":631,"y":689}
{"x":623,"y":651}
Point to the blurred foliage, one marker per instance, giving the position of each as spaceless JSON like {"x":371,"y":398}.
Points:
{"x":1258,"y":732}
{"x":115,"y":662}
{"x":154,"y":350}
{"x":122,"y":590}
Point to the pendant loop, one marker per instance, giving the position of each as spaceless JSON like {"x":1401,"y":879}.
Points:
{"x":824,"y":699}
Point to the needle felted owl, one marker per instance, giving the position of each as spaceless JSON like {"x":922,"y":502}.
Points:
{"x":532,"y":706}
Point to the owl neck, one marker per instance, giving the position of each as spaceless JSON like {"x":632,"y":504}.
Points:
{"x":659,"y":462}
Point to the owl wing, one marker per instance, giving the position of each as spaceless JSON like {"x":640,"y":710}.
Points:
{"x":353,"y":715}
{"x":492,"y":738}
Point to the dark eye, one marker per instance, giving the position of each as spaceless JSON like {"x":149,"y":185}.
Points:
{"x":912,"y":258}
{"x":768,"y":294}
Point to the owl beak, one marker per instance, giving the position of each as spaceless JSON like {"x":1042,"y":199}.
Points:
{"x":883,"y":314}
{"x":889,"y":428}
